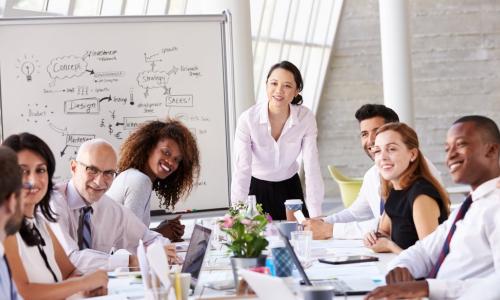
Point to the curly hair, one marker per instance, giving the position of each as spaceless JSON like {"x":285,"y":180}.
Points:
{"x":134,"y":153}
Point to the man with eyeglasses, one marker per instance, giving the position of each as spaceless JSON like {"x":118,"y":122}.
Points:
{"x":363,"y":215}
{"x":95,"y":231}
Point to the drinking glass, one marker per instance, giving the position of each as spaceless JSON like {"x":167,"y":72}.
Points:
{"x":301,"y":242}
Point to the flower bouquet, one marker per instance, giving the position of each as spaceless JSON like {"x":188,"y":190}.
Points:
{"x":245,"y":224}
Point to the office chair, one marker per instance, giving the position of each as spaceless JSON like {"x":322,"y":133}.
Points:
{"x":349,"y":187}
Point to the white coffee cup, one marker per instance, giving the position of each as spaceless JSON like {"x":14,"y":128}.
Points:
{"x":292,"y":205}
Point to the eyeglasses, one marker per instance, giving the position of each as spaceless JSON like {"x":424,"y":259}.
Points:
{"x":94,"y":171}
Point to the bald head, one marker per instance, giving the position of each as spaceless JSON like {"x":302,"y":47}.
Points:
{"x":94,"y":169}
{"x":88,"y":148}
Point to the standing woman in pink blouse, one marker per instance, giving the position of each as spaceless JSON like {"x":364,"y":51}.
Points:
{"x":270,"y":136}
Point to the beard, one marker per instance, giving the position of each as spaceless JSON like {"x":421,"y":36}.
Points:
{"x":14,"y":223}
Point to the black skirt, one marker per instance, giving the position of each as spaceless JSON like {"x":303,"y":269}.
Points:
{"x":272,"y":195}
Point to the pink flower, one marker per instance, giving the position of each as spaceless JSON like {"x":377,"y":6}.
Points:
{"x":228,"y":221}
{"x":269,"y":218}
{"x":246,"y":221}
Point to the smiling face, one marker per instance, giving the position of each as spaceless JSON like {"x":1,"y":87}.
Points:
{"x":92,"y":185}
{"x":281,"y":88}
{"x":368,"y":128}
{"x":164,"y":159}
{"x":467,"y":155}
{"x":392,"y":156}
{"x":34,"y":169}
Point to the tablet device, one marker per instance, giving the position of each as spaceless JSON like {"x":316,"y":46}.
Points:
{"x":352,"y":259}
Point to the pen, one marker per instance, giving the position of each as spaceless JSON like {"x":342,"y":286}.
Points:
{"x":378,"y":234}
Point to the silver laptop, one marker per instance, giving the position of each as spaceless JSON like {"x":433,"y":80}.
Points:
{"x":198,"y":244}
{"x":341,"y":287}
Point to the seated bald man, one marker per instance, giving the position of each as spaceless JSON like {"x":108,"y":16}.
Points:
{"x":95,"y":231}
{"x":466,"y":247}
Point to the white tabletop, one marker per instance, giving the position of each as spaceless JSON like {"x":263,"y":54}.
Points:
{"x":217,"y":268}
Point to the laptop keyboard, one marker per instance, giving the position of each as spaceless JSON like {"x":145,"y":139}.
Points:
{"x":338,"y":285}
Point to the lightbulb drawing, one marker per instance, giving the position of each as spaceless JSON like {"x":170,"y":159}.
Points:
{"x":28,"y":68}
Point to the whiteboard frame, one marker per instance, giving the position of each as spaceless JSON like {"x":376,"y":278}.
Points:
{"x":224,"y":19}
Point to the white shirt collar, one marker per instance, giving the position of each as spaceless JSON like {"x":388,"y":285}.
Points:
{"x":264,"y":114}
{"x":2,"y":250}
{"x":75,"y":201}
{"x":485,"y":189}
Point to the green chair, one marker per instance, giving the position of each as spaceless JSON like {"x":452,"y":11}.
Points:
{"x":349,"y":187}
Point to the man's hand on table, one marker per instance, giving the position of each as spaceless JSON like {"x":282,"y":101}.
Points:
{"x":402,"y":290}
{"x":320,"y":229}
{"x":398,"y":275}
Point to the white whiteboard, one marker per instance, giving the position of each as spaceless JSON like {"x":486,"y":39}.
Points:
{"x":68,"y":80}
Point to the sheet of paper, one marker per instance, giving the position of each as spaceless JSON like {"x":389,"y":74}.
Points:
{"x":267,"y":287}
{"x":143,"y":260}
{"x":338,"y":244}
{"x":325,"y":271}
{"x":158,"y":261}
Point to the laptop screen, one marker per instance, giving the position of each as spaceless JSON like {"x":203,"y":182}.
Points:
{"x":360,"y":287}
{"x":196,"y":252}
{"x":295,"y":259}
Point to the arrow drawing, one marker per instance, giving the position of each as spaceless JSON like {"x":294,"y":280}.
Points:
{"x":63,"y":132}
{"x":105,"y":98}
{"x":63,"y":150}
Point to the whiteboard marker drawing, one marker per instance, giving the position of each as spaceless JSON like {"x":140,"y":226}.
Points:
{"x":28,"y":65}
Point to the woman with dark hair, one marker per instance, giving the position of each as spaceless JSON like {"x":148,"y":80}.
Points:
{"x":160,"y":156}
{"x":415,"y":202}
{"x":270,"y":136}
{"x":40,"y":267}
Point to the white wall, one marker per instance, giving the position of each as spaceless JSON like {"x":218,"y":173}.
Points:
{"x":456,"y":70}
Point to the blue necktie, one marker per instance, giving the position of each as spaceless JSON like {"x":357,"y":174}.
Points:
{"x":84,"y":233}
{"x":446,"y":247}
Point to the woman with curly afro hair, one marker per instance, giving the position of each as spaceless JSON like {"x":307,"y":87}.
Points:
{"x":159,"y":156}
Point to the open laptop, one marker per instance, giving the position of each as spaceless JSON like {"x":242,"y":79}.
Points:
{"x":341,"y":287}
{"x":198,"y":244}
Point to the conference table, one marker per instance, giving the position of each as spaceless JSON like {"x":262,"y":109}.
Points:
{"x":216,"y":270}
